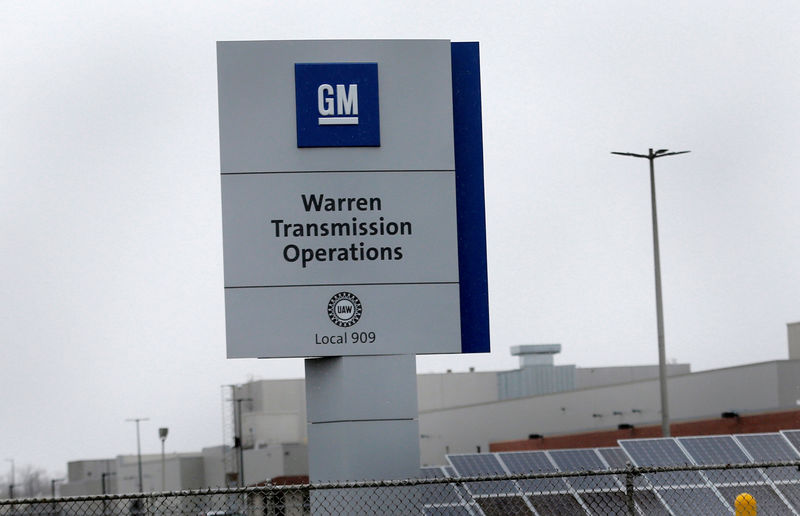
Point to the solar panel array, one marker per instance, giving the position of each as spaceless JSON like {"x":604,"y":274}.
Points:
{"x":705,"y":491}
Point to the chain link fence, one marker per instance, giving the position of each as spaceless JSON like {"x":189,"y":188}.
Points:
{"x":761,"y":488}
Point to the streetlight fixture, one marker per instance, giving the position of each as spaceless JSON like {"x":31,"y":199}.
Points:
{"x":662,"y":359}
{"x":162,"y":434}
{"x":11,"y":484}
{"x":138,"y":446}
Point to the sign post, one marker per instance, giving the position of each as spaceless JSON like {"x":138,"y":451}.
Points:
{"x":353,"y":225}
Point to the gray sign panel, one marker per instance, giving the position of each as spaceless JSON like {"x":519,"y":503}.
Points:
{"x":294,"y":321}
{"x":375,"y":225}
{"x":258,"y":127}
{"x":386,"y":227}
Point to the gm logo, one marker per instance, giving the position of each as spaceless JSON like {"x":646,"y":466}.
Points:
{"x":337,"y":104}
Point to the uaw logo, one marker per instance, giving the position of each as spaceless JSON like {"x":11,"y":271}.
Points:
{"x":337,"y":104}
{"x":344,"y":309}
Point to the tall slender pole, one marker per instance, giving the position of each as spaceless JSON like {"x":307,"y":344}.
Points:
{"x":139,"y":448}
{"x":240,"y":438}
{"x":163,"y":469}
{"x":53,"y":486}
{"x":162,"y":434}
{"x":662,"y":355}
{"x":11,"y":484}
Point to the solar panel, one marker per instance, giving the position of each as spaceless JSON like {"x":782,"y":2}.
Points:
{"x":584,"y":460}
{"x":431,"y":472}
{"x":476,"y":465}
{"x":453,"y":510}
{"x":793,"y":436}
{"x":577,"y":460}
{"x":791,"y":492}
{"x":695,"y":500}
{"x":482,"y":465}
{"x":769,"y":448}
{"x":649,"y":504}
{"x":520,"y":463}
{"x":613,"y":499}
{"x":662,"y":452}
{"x":767,"y":500}
{"x":605,"y":502}
{"x":556,"y":504}
{"x":504,"y":505}
{"x":436,"y":493}
{"x":615,"y":457}
{"x":720,"y":449}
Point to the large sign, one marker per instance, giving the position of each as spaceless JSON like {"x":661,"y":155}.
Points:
{"x":353,"y":217}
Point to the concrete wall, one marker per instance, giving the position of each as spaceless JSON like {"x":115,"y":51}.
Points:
{"x":192,"y":475}
{"x":709,"y":393}
{"x":277,"y":413}
{"x":214,"y":465}
{"x":437,"y":391}
{"x":182,"y":471}
{"x":789,"y":383}
{"x":295,"y":459}
{"x":793,"y":334}
{"x":89,"y":469}
{"x":275,"y":460}
{"x":261,"y":464}
{"x":85,"y":477}
{"x":587,"y":377}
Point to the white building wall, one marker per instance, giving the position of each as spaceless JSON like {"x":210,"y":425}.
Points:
{"x":182,"y":471}
{"x":85,"y":477}
{"x":214,"y":465}
{"x":277,"y":413}
{"x":789,"y":383}
{"x":587,"y":377}
{"x":793,"y":334}
{"x":436,"y":391}
{"x":261,"y":464}
{"x":699,"y":395}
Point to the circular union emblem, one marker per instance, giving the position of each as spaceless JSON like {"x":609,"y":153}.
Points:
{"x":344,"y":309}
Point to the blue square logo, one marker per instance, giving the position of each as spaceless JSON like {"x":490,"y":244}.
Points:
{"x":337,"y":104}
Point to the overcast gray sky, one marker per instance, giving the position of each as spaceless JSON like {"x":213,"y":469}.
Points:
{"x":110,"y":225}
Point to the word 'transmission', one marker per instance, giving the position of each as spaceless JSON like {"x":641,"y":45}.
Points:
{"x":352,"y":227}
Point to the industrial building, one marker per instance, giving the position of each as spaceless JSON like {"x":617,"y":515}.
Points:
{"x":537,"y":406}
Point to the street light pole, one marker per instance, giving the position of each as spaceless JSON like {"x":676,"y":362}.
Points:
{"x":162,"y":434}
{"x":662,"y":359}
{"x":11,"y":484}
{"x":240,"y":438}
{"x":53,"y":486}
{"x":138,"y":447}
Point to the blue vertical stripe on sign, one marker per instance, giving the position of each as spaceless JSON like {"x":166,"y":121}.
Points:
{"x":468,"y":142}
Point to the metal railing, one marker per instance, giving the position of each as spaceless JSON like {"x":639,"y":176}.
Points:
{"x":760,"y":488}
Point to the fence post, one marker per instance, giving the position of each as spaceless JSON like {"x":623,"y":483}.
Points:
{"x":629,"y":490}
